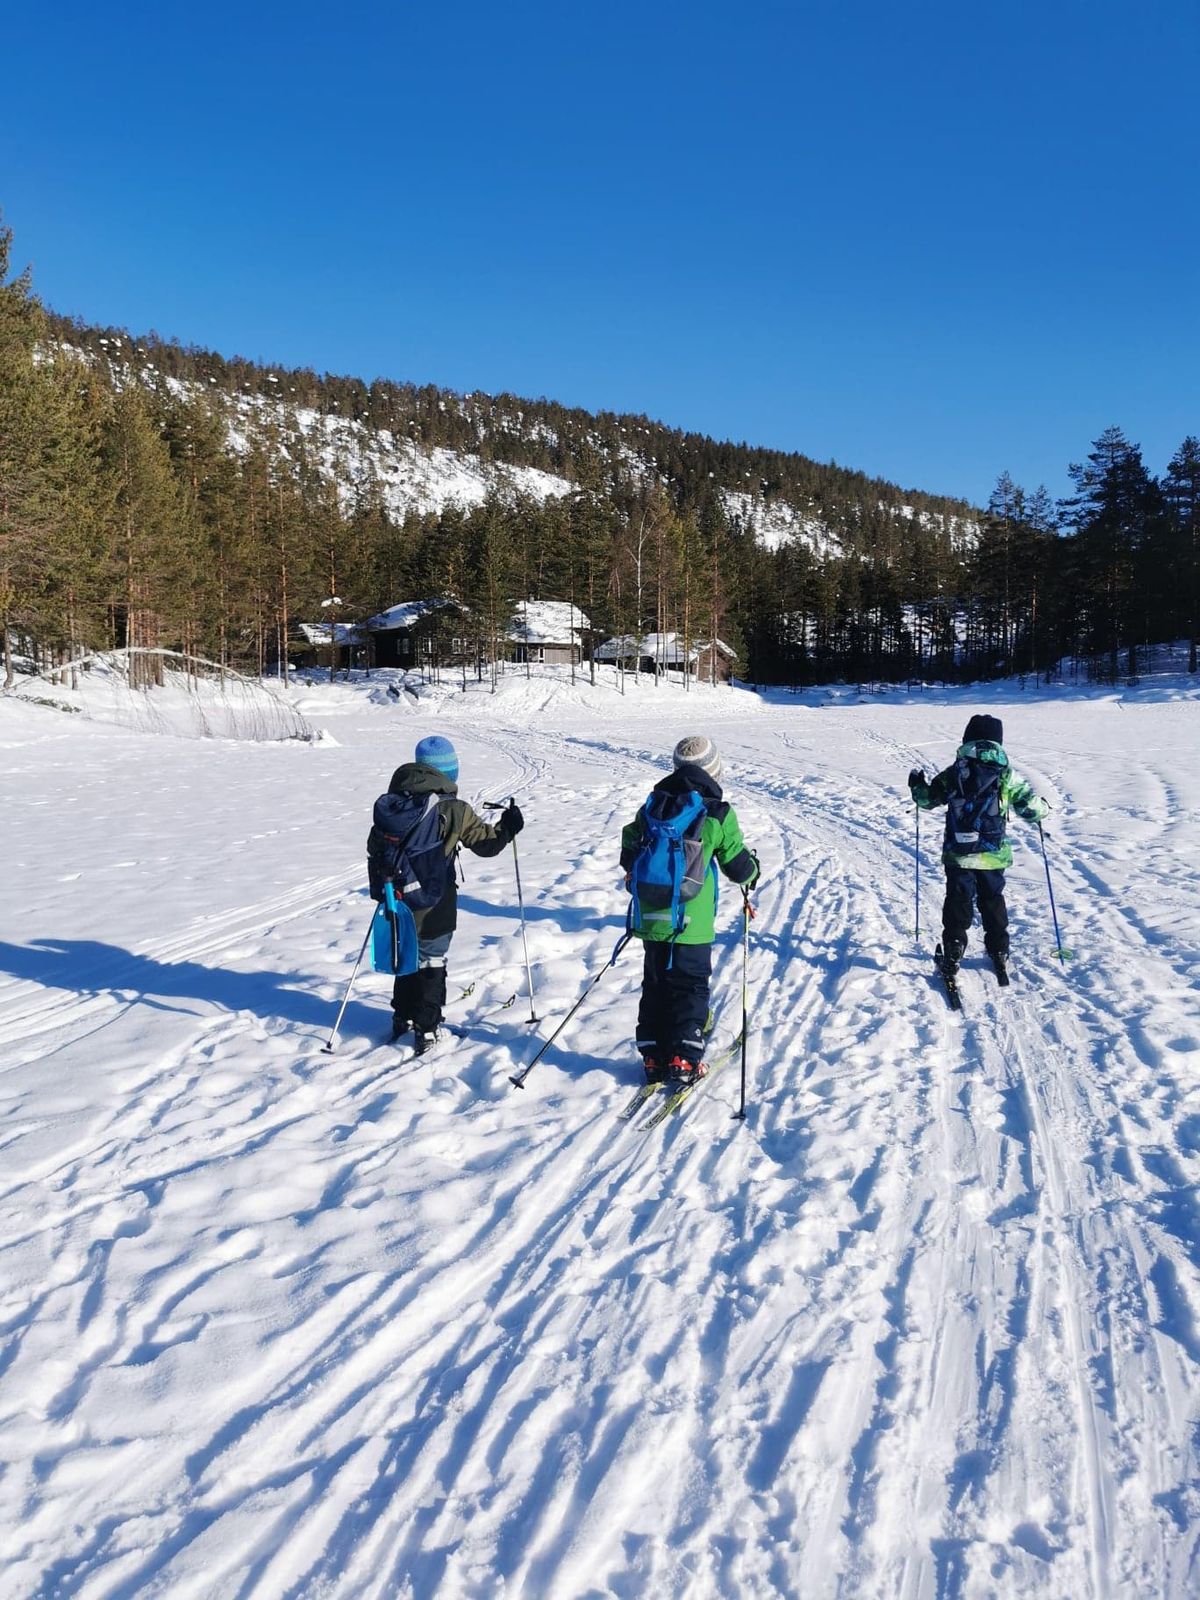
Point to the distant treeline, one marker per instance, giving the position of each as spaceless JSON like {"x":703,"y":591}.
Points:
{"x":157,"y":495}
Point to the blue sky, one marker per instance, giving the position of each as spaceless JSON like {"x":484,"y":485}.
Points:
{"x":931,"y":241}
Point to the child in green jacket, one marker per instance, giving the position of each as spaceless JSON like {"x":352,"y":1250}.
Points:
{"x":978,"y":791}
{"x":678,"y":958}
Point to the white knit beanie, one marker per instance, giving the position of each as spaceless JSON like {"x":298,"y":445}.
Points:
{"x":697,"y":751}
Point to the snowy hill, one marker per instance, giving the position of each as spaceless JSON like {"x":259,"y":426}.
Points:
{"x":432,"y":449}
{"x":281,"y":1323}
{"x":777,"y":523}
{"x":409,"y":479}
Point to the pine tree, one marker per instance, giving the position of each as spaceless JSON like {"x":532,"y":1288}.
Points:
{"x":1113,"y":511}
{"x":147,"y":517}
{"x":1181,"y":489}
{"x":20,"y":453}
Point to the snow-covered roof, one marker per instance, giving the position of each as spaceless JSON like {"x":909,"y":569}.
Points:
{"x":547,"y":622}
{"x":343,"y":632}
{"x":664,"y":647}
{"x":405,"y":614}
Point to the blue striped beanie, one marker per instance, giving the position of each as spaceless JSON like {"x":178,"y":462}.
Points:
{"x":438,"y":752}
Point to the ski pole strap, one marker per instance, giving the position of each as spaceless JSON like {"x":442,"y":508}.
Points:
{"x":393,"y":917}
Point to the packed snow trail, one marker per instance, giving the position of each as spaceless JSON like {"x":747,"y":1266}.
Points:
{"x":279,"y":1323}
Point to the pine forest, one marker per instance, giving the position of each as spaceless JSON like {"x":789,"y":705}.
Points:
{"x":161,"y":496}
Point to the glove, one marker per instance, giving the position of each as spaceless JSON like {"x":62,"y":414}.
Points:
{"x":511,"y":820}
{"x":917,"y":775}
{"x":756,"y":877}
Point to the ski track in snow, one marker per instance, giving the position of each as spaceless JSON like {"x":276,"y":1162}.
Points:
{"x":279,"y":1323}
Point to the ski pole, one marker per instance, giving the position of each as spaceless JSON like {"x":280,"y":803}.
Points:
{"x":519,"y":1078}
{"x":1063,"y":955}
{"x":331,"y":1046}
{"x":498,"y":805}
{"x":747,"y":913}
{"x":917,"y":871}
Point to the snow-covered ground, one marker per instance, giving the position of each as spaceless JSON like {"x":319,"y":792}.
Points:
{"x":281,"y":1323}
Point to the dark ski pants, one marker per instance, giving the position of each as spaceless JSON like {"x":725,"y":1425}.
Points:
{"x":965,"y":886}
{"x":419,"y":997}
{"x":674,"y":1004}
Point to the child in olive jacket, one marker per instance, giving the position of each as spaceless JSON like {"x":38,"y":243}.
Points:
{"x":978,"y":791}
{"x":677,"y":966}
{"x":418,"y":997}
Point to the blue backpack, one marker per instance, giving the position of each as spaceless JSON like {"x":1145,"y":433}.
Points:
{"x":974,"y":821}
{"x":669,"y":868}
{"x":408,"y":871}
{"x":406,"y":849}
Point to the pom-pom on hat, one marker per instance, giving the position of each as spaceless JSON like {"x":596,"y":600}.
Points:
{"x":982,"y":727}
{"x":440,"y":753}
{"x":698,"y":751}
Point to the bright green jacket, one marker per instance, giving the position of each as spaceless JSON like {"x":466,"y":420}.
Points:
{"x":721,"y":841}
{"x":1015,"y":794}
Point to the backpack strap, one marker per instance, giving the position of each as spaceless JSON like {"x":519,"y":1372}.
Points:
{"x":633,"y":919}
{"x":389,"y":900}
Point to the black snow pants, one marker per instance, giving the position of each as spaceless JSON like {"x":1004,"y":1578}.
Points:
{"x":965,"y":886}
{"x":419,"y":997}
{"x":674,"y":1008}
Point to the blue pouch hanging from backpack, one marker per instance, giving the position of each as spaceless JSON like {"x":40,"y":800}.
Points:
{"x":393,"y":936}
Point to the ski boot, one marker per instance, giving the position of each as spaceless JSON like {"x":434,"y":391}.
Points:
{"x":656,"y":1072}
{"x":1000,"y":967}
{"x":949,"y":958}
{"x":686,"y":1071}
{"x":947,"y":965}
{"x":423,"y":1041}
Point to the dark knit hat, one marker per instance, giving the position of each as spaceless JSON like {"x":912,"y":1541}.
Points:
{"x":981,"y":727}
